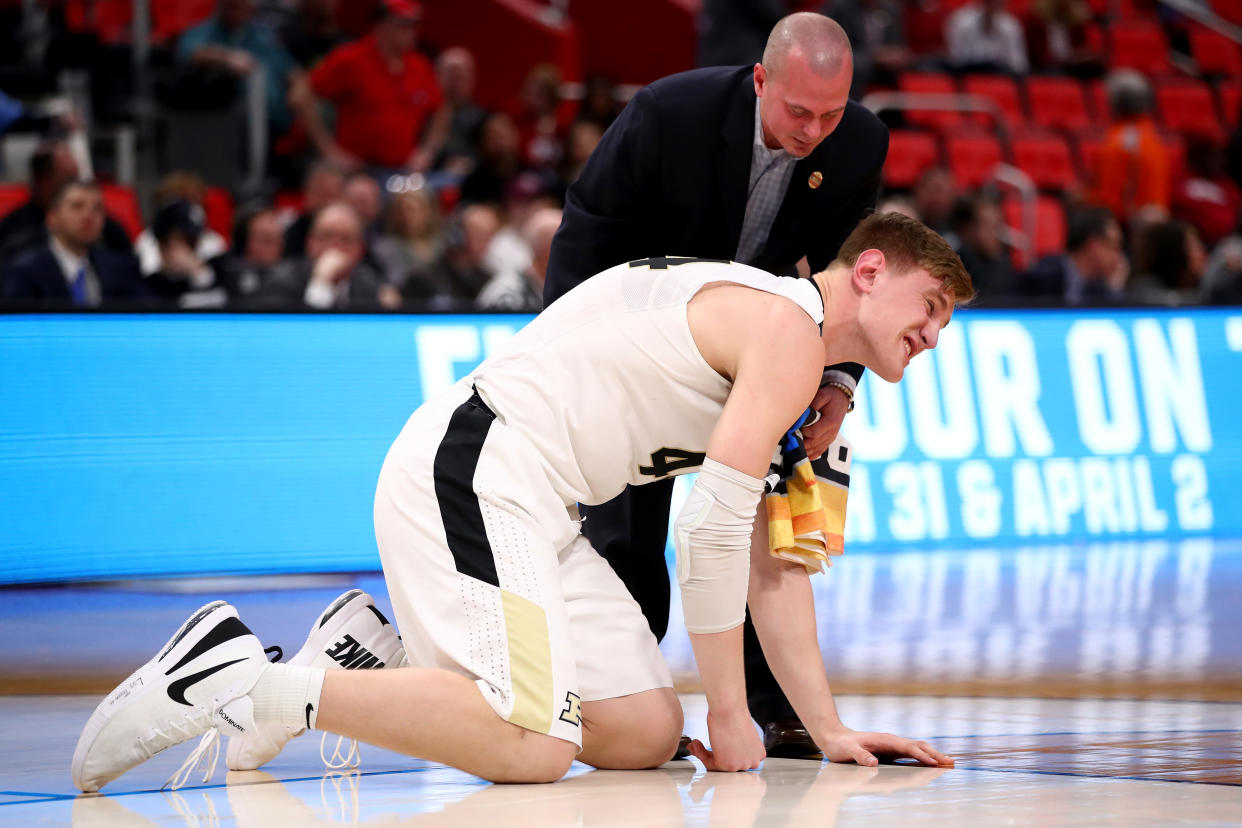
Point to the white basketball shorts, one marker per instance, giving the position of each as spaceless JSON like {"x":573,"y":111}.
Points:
{"x":489,"y":576}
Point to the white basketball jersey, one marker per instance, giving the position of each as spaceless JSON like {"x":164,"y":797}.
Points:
{"x":608,"y":384}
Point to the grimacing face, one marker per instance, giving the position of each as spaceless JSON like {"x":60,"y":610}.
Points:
{"x":902,"y":316}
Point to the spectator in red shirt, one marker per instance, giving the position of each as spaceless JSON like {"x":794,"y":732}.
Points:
{"x":384,"y":92}
{"x":1207,"y":196}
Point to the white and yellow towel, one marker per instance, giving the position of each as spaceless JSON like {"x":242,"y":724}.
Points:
{"x":806,"y":501}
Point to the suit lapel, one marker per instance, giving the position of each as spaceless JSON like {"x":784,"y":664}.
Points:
{"x":733,"y":159}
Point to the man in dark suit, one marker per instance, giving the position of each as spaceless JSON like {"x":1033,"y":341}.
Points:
{"x":72,"y":268}
{"x":333,"y":276}
{"x":51,"y":167}
{"x":766,"y":165}
{"x":1092,"y":270}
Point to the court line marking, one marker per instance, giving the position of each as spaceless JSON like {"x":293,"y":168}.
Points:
{"x":52,"y":797}
{"x":1097,"y":776}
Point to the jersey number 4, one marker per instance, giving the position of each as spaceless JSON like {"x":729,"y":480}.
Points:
{"x":665,"y":461}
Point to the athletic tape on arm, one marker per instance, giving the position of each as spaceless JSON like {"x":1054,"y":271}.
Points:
{"x":712,"y":538}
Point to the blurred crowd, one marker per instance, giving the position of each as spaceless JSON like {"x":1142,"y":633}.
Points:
{"x":391,"y":188}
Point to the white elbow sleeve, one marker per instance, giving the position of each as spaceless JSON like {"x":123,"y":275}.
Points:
{"x":712,"y":539}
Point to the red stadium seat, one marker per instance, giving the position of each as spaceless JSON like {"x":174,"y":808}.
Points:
{"x":1003,"y":91}
{"x":1231,"y":10}
{"x":1059,"y":103}
{"x":1230,"y":93}
{"x":1049,"y":226}
{"x":1175,"y":146}
{"x":1214,"y":53}
{"x":1046,"y":158}
{"x":938,"y":83}
{"x":218,"y":204}
{"x":910,"y":151}
{"x":972,"y":156}
{"x":1097,"y":95}
{"x":1187,"y":105}
{"x":1087,"y":144}
{"x":169,"y":18}
{"x":12,"y":196}
{"x":1141,"y":45}
{"x":122,"y":204}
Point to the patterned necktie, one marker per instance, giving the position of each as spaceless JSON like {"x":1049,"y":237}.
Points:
{"x":81,"y":296}
{"x":761,"y":209}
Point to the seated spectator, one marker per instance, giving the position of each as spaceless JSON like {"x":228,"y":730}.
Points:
{"x":311,"y":32}
{"x":185,"y":187}
{"x":456,"y":151}
{"x":527,"y":192}
{"x":934,"y":194}
{"x":258,"y":249}
{"x":581,"y":141}
{"x":228,"y":47}
{"x":363,"y":193}
{"x":1062,"y":37}
{"x":978,"y":224}
{"x":333,"y":275}
{"x":71,"y":268}
{"x":1132,"y":172}
{"x":185,"y":279}
{"x":51,"y":167}
{"x":1207,"y":196}
{"x":499,"y":161}
{"x":1222,"y":276}
{"x":876,"y":29}
{"x":983,"y":37}
{"x":1093,"y":270}
{"x":537,"y":116}
{"x":464,"y":271}
{"x":384,"y":92}
{"x":599,"y":102}
{"x":323,"y":185}
{"x":523,"y":290}
{"x":413,"y":237}
{"x":897,"y":204}
{"x":1169,"y":260}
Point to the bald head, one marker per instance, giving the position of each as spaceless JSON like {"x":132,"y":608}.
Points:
{"x":819,"y":41}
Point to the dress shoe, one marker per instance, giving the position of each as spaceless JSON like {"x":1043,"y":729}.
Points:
{"x":788,"y":739}
{"x":683,"y":748}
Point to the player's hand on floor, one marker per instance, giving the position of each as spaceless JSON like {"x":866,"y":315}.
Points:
{"x":870,"y":748}
{"x":831,"y":403}
{"x":736,"y":745}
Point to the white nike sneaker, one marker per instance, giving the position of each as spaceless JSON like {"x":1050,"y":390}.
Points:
{"x":351,"y":634}
{"x":198,"y":681}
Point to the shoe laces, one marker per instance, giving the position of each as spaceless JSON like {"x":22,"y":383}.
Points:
{"x":204,"y":757}
{"x":339,"y":760}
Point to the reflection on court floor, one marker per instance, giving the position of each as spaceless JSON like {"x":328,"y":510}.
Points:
{"x":1136,"y":640}
{"x":1022,"y":761}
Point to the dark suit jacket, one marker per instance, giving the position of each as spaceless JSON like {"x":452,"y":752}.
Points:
{"x":286,"y":289}
{"x":670,"y":176}
{"x":26,"y":227}
{"x":34,"y":277}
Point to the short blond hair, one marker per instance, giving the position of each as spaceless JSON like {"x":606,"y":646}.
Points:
{"x":906,"y":244}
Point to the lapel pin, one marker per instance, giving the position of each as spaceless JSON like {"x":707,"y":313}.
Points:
{"x":815,"y":180}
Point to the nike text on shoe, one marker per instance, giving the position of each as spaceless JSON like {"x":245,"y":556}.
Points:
{"x":351,"y":634}
{"x":199,"y":680}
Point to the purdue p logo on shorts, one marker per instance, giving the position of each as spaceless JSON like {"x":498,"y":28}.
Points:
{"x":573,"y":710}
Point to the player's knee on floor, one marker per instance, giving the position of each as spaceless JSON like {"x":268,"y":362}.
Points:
{"x":645,"y":735}
{"x":539,"y":758}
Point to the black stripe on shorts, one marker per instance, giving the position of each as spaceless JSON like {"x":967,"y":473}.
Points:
{"x":453,"y":472}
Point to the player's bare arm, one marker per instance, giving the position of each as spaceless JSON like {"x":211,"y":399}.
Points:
{"x":783,"y":610}
{"x":772,"y":351}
